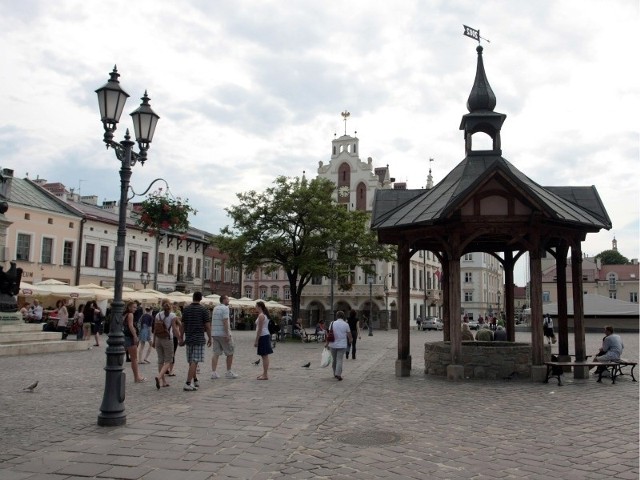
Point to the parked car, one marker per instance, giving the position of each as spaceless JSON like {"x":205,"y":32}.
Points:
{"x":432,"y":323}
{"x":473,"y":325}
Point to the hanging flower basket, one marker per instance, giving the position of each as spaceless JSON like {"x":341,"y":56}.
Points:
{"x":160,"y":211}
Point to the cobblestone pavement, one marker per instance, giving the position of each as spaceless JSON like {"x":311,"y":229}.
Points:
{"x":302,"y":423}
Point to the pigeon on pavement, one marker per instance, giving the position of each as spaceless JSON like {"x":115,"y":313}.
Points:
{"x":307,"y":365}
{"x":31,"y":387}
{"x":257,"y":362}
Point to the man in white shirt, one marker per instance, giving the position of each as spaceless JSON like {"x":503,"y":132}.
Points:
{"x":35,"y":315}
{"x":221,"y":338}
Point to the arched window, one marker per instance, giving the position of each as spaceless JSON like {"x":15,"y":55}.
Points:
{"x":612,"y":281}
{"x":361,"y":197}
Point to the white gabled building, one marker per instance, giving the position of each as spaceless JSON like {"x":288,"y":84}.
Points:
{"x":356,"y":182}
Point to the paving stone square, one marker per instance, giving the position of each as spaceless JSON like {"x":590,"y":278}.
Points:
{"x":303,"y":423}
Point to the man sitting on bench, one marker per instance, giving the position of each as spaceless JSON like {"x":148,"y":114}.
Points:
{"x":611,"y":350}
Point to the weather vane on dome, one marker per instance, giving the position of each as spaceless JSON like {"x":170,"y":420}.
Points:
{"x":473,"y":33}
{"x":345,"y":115}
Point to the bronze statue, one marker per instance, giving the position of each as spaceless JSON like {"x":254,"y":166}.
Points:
{"x":9,"y":288}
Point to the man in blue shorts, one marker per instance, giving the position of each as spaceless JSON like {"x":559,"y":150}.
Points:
{"x":195,"y":322}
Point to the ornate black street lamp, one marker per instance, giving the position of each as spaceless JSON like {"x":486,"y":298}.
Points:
{"x":332,"y":254}
{"x":111,"y":99}
{"x":145,"y":279}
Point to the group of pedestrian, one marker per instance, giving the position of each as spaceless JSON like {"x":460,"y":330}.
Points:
{"x":167,"y":331}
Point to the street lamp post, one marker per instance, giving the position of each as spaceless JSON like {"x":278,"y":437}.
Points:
{"x":111,"y":99}
{"x":499,"y":305}
{"x":386,"y":303}
{"x":332,"y":254}
{"x":145,"y":279}
{"x":371,"y":305}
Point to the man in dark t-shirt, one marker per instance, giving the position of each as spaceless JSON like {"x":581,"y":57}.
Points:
{"x":195,"y":322}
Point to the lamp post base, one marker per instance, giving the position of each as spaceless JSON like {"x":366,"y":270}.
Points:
{"x":112,"y":412}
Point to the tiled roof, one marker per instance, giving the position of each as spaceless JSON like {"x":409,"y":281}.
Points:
{"x":25,"y":192}
{"x":398,"y":208}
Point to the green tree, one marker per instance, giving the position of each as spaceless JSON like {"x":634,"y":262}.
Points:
{"x":612,"y":257}
{"x":291,"y":225}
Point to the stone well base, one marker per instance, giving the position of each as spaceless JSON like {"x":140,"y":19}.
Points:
{"x":483,"y":360}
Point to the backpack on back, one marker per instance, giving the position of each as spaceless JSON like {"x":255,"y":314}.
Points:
{"x":273,"y":327}
{"x":160,"y":328}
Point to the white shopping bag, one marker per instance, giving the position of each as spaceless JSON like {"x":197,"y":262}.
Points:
{"x":325,"y":359}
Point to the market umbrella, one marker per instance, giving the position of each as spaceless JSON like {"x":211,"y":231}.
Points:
{"x":272,"y":305}
{"x":179,"y":297}
{"x":56,"y":288}
{"x":99,"y":293}
{"x":244,"y":302}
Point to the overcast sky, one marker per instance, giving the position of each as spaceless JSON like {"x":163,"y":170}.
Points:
{"x":248,"y":90}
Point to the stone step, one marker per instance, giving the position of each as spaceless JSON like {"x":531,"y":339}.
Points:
{"x":29,"y":337}
{"x":44,"y":347}
{"x":20,"y":327}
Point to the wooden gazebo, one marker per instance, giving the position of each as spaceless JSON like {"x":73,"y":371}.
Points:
{"x":485,"y":204}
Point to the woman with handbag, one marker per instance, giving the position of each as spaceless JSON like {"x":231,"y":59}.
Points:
{"x":337,"y":338}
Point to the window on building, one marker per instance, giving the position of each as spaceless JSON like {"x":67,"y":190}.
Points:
{"x":180,"y":266}
{"x":144,"y":262}
{"x":286,"y":293}
{"x":132,"y":260}
{"x":274,"y":275}
{"x":274,"y":293}
{"x":316,"y":280}
{"x":89,"y":254}
{"x":263,"y":293}
{"x":468,"y":277}
{"x":612,"y":281}
{"x":613,"y":295}
{"x":47,"y":250}
{"x":207,"y":269}
{"x":198,"y":267}
{"x":171,"y":264}
{"x":414,"y":284}
{"x":393,"y":276}
{"x":235,"y":275}
{"x":216,"y":271}
{"x":248,"y":276}
{"x":415,"y":310}
{"x":190,"y":266}
{"x":160,"y":266}
{"x":67,"y":253}
{"x":420,"y":280}
{"x":468,"y":257}
{"x":633,"y":297}
{"x":248,"y":292}
{"x":104,"y":256}
{"x":227,"y":274}
{"x":546,"y":297}
{"x":468,"y":296}
{"x":429,"y":281}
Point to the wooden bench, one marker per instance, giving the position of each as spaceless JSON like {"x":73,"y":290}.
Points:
{"x":315,"y":336}
{"x":614,"y":368}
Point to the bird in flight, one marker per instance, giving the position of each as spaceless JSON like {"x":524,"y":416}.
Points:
{"x":31,"y":387}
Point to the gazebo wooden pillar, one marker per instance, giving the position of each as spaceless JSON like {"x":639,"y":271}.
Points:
{"x":403,"y":362}
{"x":578,"y":308}
{"x":508,"y":265}
{"x":561,"y":287}
{"x":455,"y":371}
{"x":538,"y":370}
